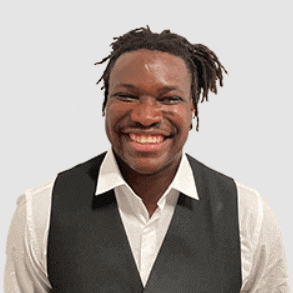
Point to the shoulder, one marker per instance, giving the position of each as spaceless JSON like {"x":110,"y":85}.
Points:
{"x":37,"y":203}
{"x":90,"y":167}
{"x":251,"y":214}
{"x":255,"y":215}
{"x":198,"y":166}
{"x":37,"y":198}
{"x":249,"y":199}
{"x":253,"y":211}
{"x":39,"y":194}
{"x":206,"y":177}
{"x":40,"y":190}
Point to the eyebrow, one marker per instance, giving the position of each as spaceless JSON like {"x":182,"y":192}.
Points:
{"x":161,"y":90}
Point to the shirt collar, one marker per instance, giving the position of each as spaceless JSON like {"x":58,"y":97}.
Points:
{"x":110,"y":177}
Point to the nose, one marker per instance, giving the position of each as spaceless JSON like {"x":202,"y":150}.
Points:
{"x":146,"y":112}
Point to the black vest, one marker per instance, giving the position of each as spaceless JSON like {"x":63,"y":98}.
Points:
{"x":88,"y":250}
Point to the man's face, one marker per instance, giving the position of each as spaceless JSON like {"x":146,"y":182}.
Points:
{"x":149,"y":110}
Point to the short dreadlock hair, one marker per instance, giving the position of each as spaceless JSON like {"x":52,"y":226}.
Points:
{"x":204,"y":65}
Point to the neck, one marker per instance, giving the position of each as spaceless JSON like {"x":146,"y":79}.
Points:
{"x":149,"y":187}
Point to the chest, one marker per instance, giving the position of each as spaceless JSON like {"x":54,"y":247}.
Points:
{"x":89,"y":251}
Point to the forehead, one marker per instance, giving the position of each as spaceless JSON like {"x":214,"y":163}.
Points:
{"x":150,"y":65}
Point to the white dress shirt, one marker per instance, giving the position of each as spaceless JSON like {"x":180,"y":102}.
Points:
{"x":263,"y":259}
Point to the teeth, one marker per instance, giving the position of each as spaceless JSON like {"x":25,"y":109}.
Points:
{"x":146,"y":139}
{"x":143,"y":139}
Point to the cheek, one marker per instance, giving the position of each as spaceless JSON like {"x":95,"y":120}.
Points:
{"x":108,"y":129}
{"x":114,"y":116}
{"x":110,"y":122}
{"x":182,"y":117}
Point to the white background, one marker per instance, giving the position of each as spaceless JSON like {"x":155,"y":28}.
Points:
{"x":51,"y":117}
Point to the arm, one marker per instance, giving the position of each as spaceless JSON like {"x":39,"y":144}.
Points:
{"x":268,"y":268}
{"x":24,"y":270}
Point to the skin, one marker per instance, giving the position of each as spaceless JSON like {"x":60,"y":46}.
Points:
{"x":149,"y":94}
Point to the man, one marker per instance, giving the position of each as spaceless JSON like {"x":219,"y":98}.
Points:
{"x":145,"y":216}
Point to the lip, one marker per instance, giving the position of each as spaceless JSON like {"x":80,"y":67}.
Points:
{"x":146,"y":132}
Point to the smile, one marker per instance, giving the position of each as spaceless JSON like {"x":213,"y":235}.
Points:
{"x":146,"y":139}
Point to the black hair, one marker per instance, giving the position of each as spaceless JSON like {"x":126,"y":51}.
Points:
{"x":203,"y":63}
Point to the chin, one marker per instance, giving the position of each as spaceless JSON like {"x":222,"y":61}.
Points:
{"x":150,"y":166}
{"x":143,"y":170}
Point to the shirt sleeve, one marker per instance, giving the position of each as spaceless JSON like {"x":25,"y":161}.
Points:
{"x":264,"y":263}
{"x":25,"y":267}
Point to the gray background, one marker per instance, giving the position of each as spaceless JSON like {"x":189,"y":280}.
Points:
{"x":51,"y":108}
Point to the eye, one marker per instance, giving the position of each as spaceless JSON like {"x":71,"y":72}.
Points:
{"x":171,"y":100}
{"x":125,"y":97}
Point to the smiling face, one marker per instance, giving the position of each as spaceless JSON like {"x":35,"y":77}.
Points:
{"x":149,"y":110}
